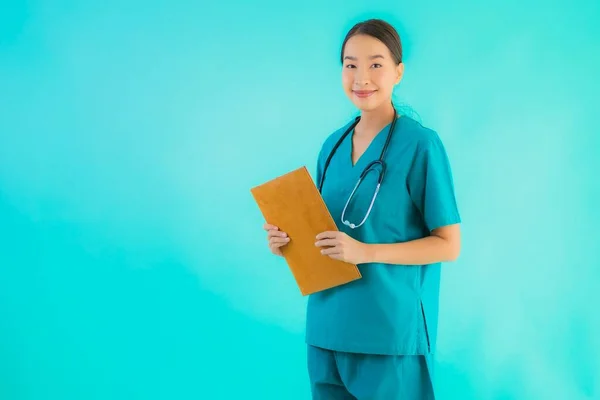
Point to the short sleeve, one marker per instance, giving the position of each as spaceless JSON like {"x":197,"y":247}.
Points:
{"x":431,"y":186}
{"x":319,"y":168}
{"x":321,"y":159}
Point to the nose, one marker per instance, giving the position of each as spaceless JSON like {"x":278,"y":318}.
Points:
{"x":361,"y":78}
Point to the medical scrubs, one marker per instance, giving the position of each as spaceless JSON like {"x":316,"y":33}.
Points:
{"x":374,"y":338}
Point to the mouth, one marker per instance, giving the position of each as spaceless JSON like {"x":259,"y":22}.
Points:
{"x":363,"y":93}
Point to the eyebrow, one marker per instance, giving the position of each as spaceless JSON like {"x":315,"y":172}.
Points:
{"x":370,"y":57}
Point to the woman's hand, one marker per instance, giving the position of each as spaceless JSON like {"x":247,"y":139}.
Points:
{"x":276,"y":238}
{"x":340,"y":246}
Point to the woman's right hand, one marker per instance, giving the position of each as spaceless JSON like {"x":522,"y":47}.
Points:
{"x":276,"y":238}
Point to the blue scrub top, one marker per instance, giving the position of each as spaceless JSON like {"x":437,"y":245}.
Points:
{"x":393,"y":309}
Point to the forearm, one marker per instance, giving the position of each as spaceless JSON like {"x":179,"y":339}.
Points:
{"x":428,"y":250}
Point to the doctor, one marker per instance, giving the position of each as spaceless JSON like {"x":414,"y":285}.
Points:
{"x":387,"y":181}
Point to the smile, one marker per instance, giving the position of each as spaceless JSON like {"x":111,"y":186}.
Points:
{"x":363,"y":93}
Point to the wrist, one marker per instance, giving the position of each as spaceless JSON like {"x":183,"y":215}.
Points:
{"x":368,"y":253}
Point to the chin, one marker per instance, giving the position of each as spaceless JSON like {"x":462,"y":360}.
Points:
{"x":367,"y":105}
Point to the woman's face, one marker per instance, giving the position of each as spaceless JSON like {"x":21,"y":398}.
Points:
{"x":369,"y":72}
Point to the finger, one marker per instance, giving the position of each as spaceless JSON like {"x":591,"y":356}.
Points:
{"x":272,"y":234}
{"x":331,"y":251}
{"x":327,"y":235}
{"x":276,"y":245}
{"x":277,"y":240}
{"x":268,"y":227}
{"x":326,"y":242}
{"x":336,"y":257}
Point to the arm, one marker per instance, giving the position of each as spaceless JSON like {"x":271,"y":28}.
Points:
{"x":442,"y":245}
{"x":431,"y":189}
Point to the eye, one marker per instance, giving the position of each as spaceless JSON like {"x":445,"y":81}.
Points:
{"x":377,"y":65}
{"x":350,"y":66}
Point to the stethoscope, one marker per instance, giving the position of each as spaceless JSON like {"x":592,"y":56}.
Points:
{"x":367,"y":169}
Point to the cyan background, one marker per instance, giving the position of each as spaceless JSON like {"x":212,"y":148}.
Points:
{"x":132,"y":260}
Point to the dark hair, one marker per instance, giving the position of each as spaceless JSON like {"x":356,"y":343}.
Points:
{"x":381,"y":30}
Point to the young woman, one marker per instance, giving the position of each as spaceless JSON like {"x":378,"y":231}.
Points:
{"x":387,"y":182}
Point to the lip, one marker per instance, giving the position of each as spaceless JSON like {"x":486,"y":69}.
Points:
{"x":363,"y":93}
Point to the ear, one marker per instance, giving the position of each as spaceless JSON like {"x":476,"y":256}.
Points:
{"x":399,"y":72}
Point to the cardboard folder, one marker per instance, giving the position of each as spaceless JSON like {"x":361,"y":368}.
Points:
{"x":293,"y":203}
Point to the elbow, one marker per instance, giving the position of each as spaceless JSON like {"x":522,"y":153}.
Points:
{"x":453,"y":252}
{"x":450,"y":242}
{"x":453,"y":257}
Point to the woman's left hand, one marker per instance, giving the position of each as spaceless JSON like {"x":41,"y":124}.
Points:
{"x":340,"y":246}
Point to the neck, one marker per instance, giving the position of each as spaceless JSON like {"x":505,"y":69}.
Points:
{"x":375,"y":120}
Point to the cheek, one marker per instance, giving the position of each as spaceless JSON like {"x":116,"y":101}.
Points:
{"x":385,"y":84}
{"x":347,"y":80}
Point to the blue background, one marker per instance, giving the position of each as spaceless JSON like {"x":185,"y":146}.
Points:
{"x":133,"y":264}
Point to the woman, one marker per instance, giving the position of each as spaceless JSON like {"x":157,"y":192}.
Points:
{"x":374,"y":338}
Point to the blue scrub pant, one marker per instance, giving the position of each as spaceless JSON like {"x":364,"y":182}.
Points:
{"x":351,"y":376}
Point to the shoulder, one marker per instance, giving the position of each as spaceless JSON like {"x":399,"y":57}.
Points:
{"x":333,"y":137}
{"x":419,"y":135}
{"x":424,"y":145}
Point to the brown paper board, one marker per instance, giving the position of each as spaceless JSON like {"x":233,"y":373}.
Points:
{"x":293,"y":203}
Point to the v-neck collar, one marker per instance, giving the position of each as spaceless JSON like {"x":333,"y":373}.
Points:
{"x":374,"y":143}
